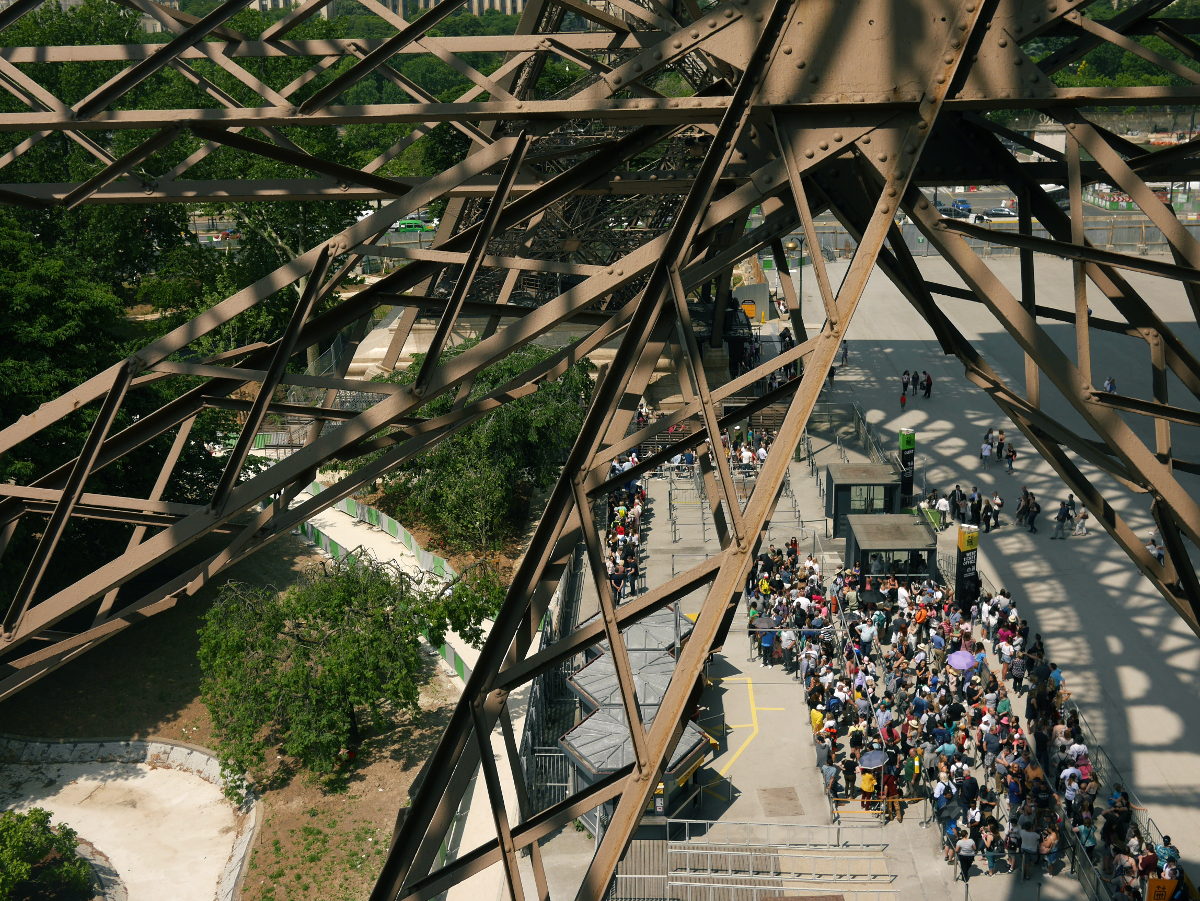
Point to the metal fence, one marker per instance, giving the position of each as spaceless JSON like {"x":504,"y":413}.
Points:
{"x":549,"y":777}
{"x":724,"y":891}
{"x":776,"y":835}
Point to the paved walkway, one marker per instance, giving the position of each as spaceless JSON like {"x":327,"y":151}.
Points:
{"x":1131,"y":664}
{"x":168,"y":833}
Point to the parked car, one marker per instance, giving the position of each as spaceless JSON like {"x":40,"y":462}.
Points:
{"x":962,"y":205}
{"x":953,"y":212}
{"x":1000,"y":212}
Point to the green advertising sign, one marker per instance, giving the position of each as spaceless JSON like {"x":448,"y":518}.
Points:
{"x":908,"y":439}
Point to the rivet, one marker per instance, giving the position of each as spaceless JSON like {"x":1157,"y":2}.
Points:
{"x":892,"y":192}
{"x":882,"y":157}
{"x":947,"y":59}
{"x":729,"y":14}
{"x":824,"y":145}
{"x":787,"y":51}
{"x":956,"y":43}
{"x":677,"y":44}
{"x":637,"y":67}
{"x":922,"y":125}
{"x":866,"y":139}
{"x":941,"y":79}
{"x":814,"y":78}
{"x":1033,"y":78}
{"x":610,"y":272}
{"x":809,"y":154}
{"x":1053,"y":7}
{"x":617,"y":79}
{"x":658,"y":56}
{"x":922,"y":204}
{"x":970,"y":7}
{"x":1037,"y":18}
{"x":1003,"y":42}
{"x":837,"y":136}
{"x":801,"y":64}
{"x":620,"y":272}
{"x":1018,"y":61}
{"x":712,"y":23}
{"x":695,"y":34}
{"x":767,"y":179}
{"x":884,"y":208}
{"x":758,"y":17}
{"x":859,"y":98}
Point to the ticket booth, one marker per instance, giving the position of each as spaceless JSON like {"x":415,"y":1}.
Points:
{"x":859,"y":489}
{"x":891,"y":544}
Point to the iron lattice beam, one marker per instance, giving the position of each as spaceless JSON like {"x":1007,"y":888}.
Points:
{"x":607,"y":207}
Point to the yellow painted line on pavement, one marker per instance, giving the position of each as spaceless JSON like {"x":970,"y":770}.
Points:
{"x":753,"y":725}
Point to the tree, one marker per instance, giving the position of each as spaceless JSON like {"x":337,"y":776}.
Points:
{"x":39,"y":860}
{"x":302,"y":671}
{"x":473,"y":489}
{"x":58,"y":327}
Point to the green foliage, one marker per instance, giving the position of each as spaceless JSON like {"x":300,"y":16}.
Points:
{"x":38,"y":859}
{"x":297,"y":671}
{"x":58,"y":327}
{"x":474,"y":488}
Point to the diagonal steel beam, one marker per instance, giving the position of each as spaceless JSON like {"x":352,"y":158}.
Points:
{"x":40,"y":561}
{"x":380,"y":55}
{"x":271,"y":379}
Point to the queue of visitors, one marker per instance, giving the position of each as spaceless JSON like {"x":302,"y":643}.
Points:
{"x":906,"y":710}
{"x":623,"y":542}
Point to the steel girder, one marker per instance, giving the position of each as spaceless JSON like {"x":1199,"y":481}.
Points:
{"x":799,"y":108}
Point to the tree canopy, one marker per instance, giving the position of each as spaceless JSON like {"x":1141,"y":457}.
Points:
{"x":38,"y":860}
{"x":302,"y":672}
{"x":474,"y":488}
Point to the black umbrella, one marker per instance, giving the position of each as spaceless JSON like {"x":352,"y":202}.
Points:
{"x":763,"y":622}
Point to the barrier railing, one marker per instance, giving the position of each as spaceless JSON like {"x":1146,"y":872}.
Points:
{"x":776,"y":835}
{"x":794,"y":864}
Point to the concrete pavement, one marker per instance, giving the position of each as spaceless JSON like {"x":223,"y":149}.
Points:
{"x":1131,"y":664}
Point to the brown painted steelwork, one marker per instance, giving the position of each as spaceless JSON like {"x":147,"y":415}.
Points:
{"x":609,"y":208}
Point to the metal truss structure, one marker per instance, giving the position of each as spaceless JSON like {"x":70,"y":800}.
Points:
{"x":609,"y":207}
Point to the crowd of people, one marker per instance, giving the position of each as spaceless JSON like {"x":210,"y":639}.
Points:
{"x":623,"y":540}
{"x":906,"y":710}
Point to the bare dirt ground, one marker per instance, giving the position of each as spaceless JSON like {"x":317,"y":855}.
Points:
{"x":144,"y":683}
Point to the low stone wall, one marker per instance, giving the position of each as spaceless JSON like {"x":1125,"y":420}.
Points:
{"x":174,"y":755}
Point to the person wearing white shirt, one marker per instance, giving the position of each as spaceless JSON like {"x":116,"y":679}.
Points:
{"x":902,"y":597}
{"x":761,"y":454}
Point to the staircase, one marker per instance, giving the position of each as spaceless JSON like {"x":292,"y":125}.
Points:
{"x":752,"y":861}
